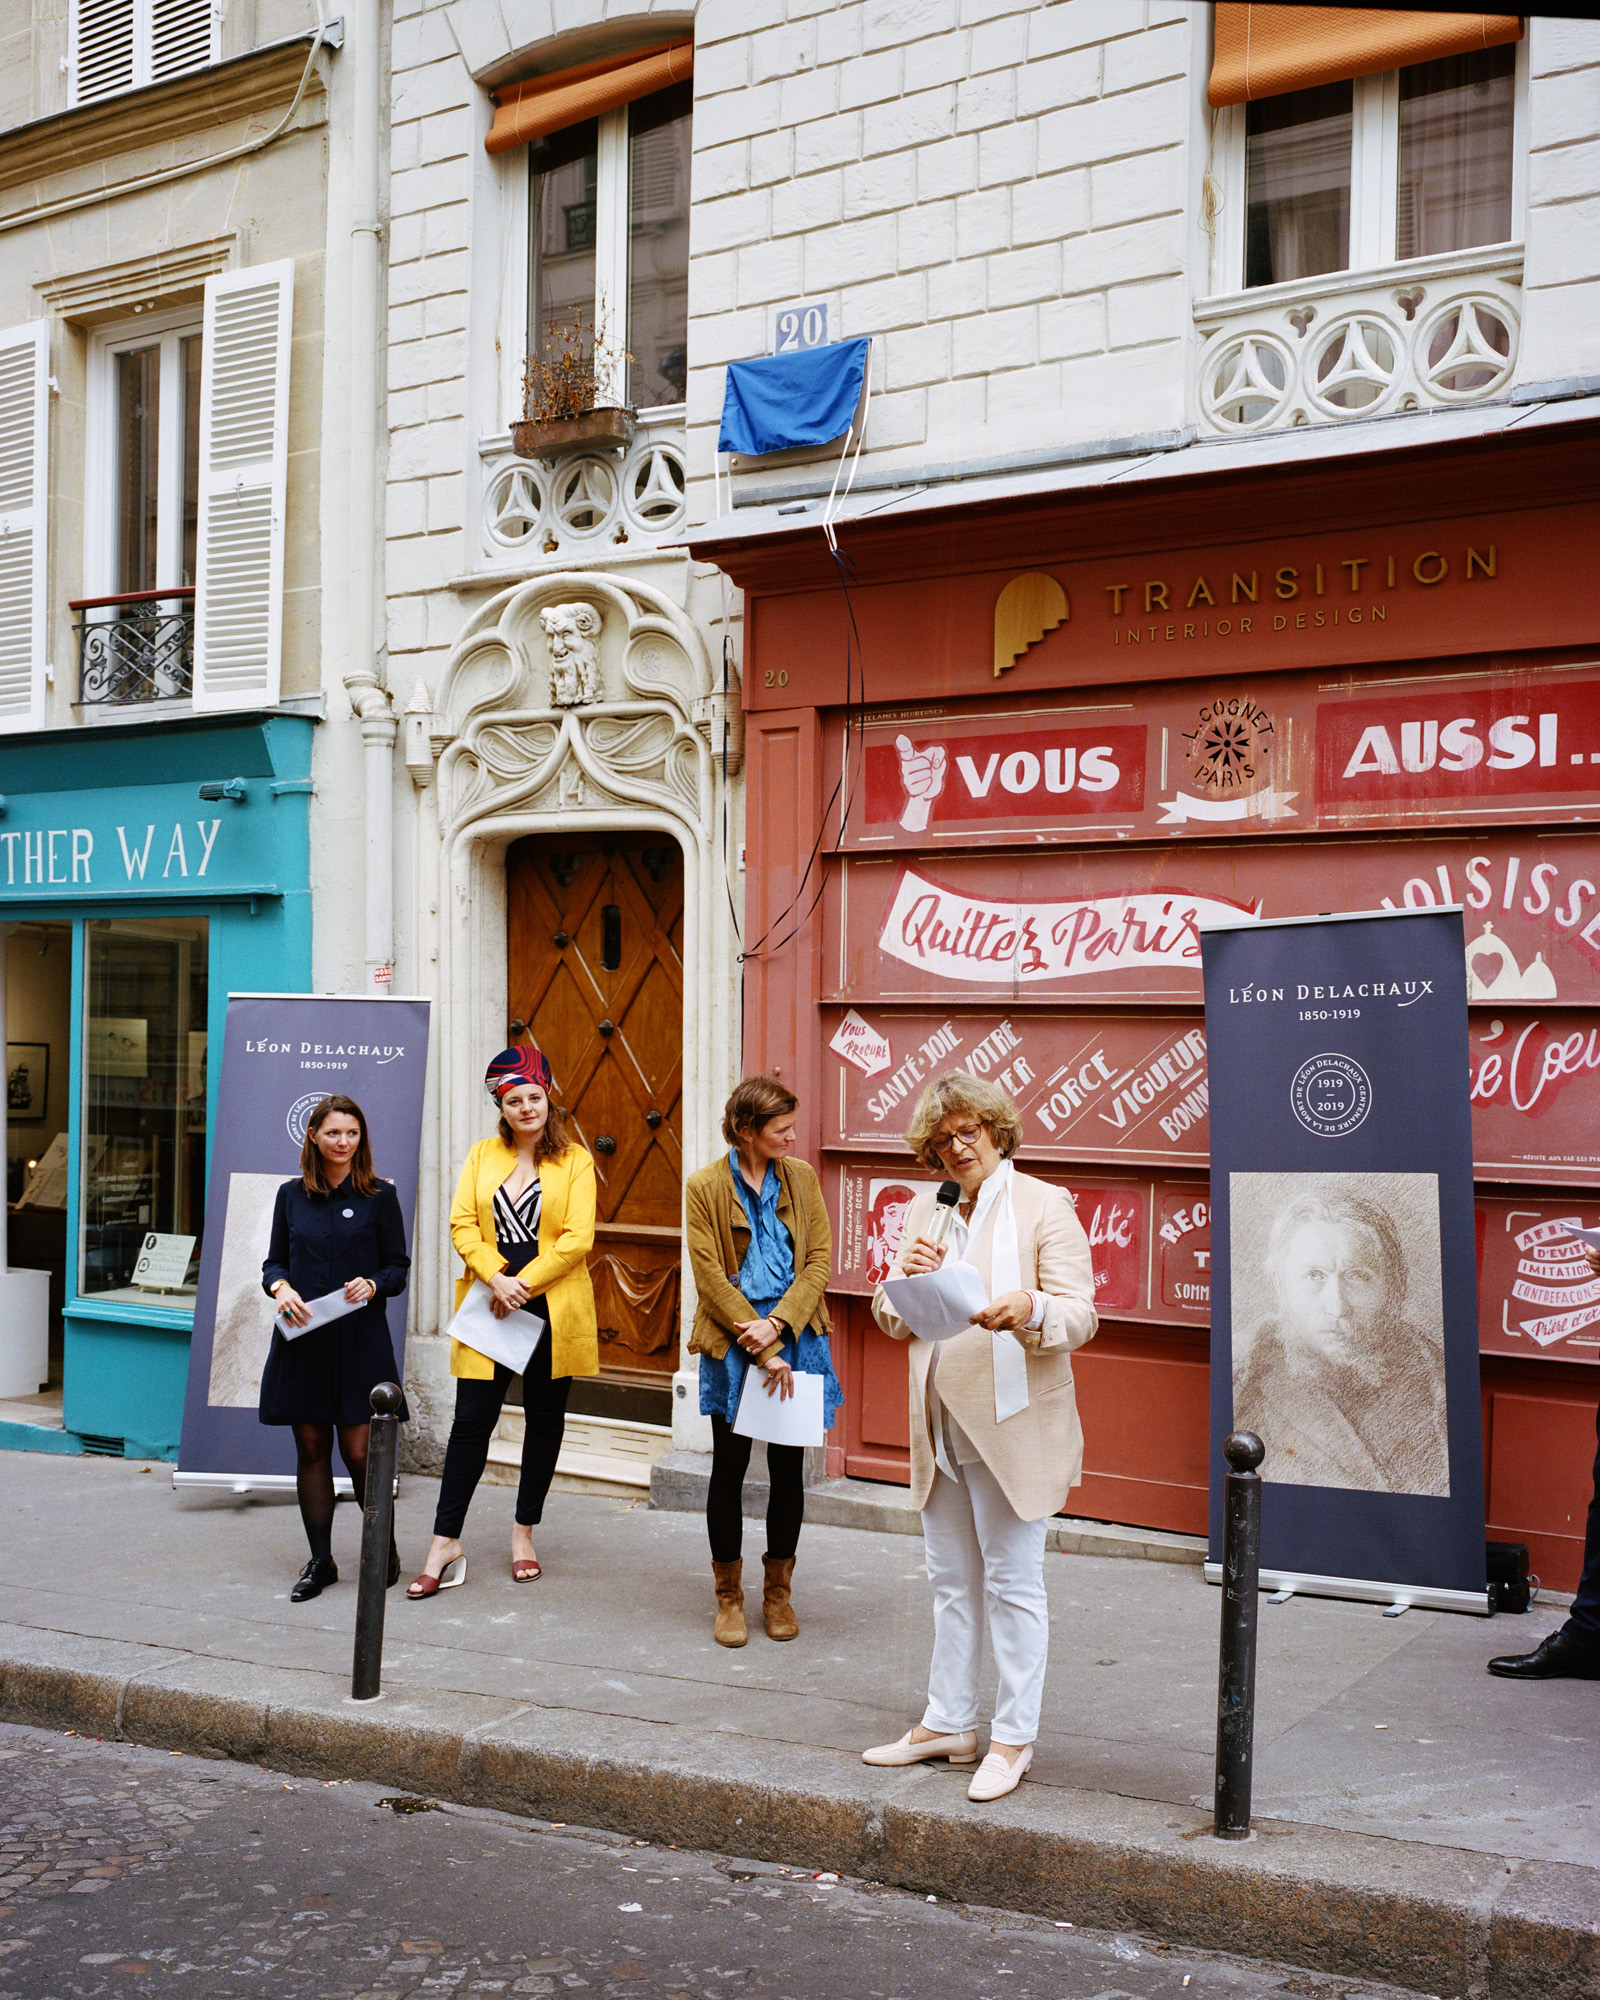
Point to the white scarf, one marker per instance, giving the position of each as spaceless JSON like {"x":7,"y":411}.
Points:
{"x":1005,"y":1275}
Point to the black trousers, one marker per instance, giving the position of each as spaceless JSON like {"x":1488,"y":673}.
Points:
{"x":1583,"y":1621}
{"x":478,"y":1405}
{"x":786,"y":1496}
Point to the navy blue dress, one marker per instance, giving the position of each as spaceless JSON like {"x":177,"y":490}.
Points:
{"x":319,"y":1242}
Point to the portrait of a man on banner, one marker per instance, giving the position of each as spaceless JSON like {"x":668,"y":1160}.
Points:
{"x":1338,"y":1341}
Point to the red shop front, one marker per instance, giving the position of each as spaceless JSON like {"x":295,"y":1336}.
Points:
{"x":1090,"y":719}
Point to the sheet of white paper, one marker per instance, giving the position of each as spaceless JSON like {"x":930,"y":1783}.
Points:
{"x":939,"y":1304}
{"x":510,"y":1341}
{"x":1590,"y":1237}
{"x":795,"y":1419}
{"x":331,"y":1306}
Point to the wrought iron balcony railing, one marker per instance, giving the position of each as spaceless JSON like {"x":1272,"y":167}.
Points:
{"x":136,"y":647}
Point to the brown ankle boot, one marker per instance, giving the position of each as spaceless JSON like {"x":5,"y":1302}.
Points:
{"x":730,"y":1629}
{"x":776,"y":1610}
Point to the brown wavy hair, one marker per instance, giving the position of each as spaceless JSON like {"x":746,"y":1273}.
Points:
{"x":361,"y":1177}
{"x":553,"y":1141}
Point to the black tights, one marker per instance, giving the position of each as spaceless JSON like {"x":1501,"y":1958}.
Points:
{"x":786,"y":1494}
{"x":313,"y":1476}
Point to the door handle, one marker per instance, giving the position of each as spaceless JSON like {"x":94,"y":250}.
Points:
{"x":605,"y":1143}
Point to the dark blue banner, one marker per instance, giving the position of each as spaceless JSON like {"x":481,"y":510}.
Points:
{"x":281,"y":1055}
{"x":1344,"y":1326}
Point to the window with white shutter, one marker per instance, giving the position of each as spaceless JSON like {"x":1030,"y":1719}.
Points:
{"x":24,"y":465}
{"x":244,"y":425}
{"x":116,"y":45}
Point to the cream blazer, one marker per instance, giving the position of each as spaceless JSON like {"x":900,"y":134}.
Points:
{"x":1037,"y":1455}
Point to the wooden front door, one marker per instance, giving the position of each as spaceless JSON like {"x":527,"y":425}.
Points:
{"x":595,"y":947}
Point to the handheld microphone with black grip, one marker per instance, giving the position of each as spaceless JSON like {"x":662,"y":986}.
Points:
{"x":943,"y":1217}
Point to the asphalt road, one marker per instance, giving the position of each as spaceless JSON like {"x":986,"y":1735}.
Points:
{"x":133,"y":1872}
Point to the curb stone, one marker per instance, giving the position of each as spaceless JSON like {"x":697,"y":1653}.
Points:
{"x":1436,"y":1919}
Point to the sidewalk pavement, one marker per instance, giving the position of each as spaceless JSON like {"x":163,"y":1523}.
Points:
{"x":1417,"y":1821}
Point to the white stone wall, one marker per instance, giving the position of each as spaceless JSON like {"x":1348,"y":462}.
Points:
{"x":1561,"y":277}
{"x":1002,"y":194}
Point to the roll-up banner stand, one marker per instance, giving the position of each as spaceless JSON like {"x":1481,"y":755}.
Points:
{"x":1344,"y":1326}
{"x":282,"y":1053}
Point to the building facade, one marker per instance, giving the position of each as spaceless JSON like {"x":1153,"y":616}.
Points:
{"x":1136,"y":309}
{"x":175,"y":194}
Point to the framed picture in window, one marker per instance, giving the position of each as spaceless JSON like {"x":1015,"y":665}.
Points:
{"x":27,"y":1080}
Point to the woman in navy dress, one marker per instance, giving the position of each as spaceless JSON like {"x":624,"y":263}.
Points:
{"x":338,"y":1227}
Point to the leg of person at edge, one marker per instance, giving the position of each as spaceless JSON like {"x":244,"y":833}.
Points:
{"x":995,"y":1441}
{"x":762,"y":1253}
{"x":1572,"y":1651}
{"x":336,"y":1228}
{"x":522,"y":1222}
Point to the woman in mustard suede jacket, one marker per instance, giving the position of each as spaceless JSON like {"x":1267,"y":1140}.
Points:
{"x":523,"y":1223}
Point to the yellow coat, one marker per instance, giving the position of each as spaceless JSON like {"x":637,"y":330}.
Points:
{"x":561,"y":1269}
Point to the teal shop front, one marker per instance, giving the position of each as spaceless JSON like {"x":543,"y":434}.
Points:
{"x":145,"y":872}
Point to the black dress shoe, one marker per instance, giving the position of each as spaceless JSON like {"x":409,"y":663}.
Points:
{"x":394,"y":1564}
{"x":314,"y":1579}
{"x":1555,"y":1658}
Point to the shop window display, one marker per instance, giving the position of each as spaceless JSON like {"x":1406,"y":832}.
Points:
{"x":144,"y":1110}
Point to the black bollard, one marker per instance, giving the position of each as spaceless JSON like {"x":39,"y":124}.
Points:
{"x":1236,"y":1678}
{"x":377,"y":1535}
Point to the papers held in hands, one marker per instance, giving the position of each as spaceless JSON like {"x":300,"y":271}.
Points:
{"x":510,"y":1341}
{"x":938,"y":1304}
{"x":1589,"y":1238}
{"x":779,"y":1419}
{"x":321,"y":1312}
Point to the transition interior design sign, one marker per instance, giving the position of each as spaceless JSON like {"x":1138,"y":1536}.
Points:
{"x":281,"y":1055}
{"x":1344,"y":1326}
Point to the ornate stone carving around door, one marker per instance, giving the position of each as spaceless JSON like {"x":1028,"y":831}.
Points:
{"x":578,"y":691}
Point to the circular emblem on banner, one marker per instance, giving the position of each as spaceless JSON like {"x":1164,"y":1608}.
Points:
{"x":1330,"y":1095}
{"x":299,"y":1115}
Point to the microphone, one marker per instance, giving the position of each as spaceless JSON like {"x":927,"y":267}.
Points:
{"x":943,"y":1217}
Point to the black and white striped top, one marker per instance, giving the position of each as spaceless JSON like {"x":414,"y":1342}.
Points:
{"x":518,"y":1221}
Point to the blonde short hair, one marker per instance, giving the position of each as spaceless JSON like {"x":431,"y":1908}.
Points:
{"x":969,"y":1097}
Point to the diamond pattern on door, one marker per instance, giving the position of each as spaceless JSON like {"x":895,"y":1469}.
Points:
{"x":595,"y":974}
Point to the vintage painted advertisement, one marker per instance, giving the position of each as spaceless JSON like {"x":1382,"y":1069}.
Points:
{"x":1089,"y":1086}
{"x":1150,"y":1238}
{"x":1536,"y":1292}
{"x":1271,"y":754}
{"x":1133,"y":1087}
{"x":1115,"y":924}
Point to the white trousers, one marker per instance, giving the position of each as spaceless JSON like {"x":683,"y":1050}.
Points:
{"x":986,"y":1567}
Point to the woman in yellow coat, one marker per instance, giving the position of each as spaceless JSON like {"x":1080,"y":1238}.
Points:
{"x":523,"y":1222}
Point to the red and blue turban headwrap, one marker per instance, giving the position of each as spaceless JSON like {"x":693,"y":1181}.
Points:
{"x":514,"y":1066}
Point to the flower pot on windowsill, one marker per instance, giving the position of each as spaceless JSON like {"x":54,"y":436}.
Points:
{"x":603,"y":429}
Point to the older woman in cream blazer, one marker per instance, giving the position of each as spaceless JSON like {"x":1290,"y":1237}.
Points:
{"x":995,"y":1441}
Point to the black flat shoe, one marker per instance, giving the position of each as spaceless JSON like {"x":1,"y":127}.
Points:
{"x":394,"y":1565}
{"x":1555,"y":1658}
{"x":314,"y":1579}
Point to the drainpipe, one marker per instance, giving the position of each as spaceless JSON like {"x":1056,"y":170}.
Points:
{"x":364,"y":680}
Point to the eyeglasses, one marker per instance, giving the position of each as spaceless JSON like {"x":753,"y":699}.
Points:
{"x":966,"y":1138}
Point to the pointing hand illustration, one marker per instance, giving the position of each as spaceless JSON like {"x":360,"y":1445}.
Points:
{"x":922,"y":774}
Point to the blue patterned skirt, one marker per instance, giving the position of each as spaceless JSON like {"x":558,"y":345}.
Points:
{"x":722,"y":1382}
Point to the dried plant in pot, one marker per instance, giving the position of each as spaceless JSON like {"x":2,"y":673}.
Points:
{"x":559,"y":412}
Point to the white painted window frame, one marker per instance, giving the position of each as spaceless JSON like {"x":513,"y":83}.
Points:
{"x":100,"y":446}
{"x":1374,"y":173}
{"x":27,"y":611}
{"x":611,"y":271}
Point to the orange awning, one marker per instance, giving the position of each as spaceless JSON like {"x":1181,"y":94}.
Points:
{"x":1265,"y":51}
{"x":544,"y":104}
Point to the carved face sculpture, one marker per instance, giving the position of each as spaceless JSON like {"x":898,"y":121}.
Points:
{"x":573,"y":631}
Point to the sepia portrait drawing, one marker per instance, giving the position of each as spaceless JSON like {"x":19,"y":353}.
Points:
{"x":1338,"y":1329}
